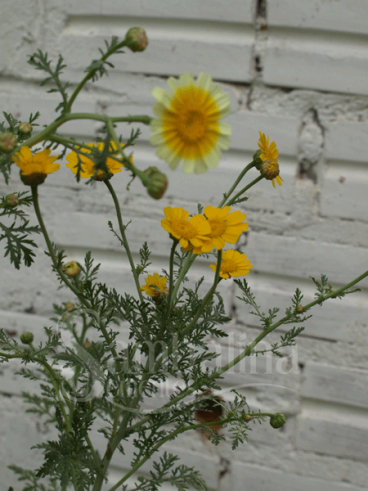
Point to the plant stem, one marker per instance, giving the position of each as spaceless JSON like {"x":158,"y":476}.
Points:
{"x":92,"y":73}
{"x":237,"y":181}
{"x":244,"y":190}
{"x":171,"y":436}
{"x":124,"y":239}
{"x":52,"y":127}
{"x":248,"y":350}
{"x":171,"y":277}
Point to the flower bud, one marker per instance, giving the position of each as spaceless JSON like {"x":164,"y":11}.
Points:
{"x":277,"y":420}
{"x":10,"y":201}
{"x":300,"y":309}
{"x":247,"y":417}
{"x":69,"y":306}
{"x":270,"y":169}
{"x":27,"y":338}
{"x":158,"y":182}
{"x":139,"y":269}
{"x":25,"y":128}
{"x":34,"y":179}
{"x":71,"y":269}
{"x":8,"y":142}
{"x":136,"y":39}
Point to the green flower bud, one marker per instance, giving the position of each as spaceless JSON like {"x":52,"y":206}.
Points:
{"x":10,"y":201}
{"x":277,"y":420}
{"x":8,"y":142}
{"x":27,"y":338}
{"x":257,"y":159}
{"x":136,"y":39}
{"x":158,"y":182}
{"x":139,"y":268}
{"x":34,"y":179}
{"x":25,"y":128}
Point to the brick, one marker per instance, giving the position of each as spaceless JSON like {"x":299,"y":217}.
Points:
{"x":335,"y":384}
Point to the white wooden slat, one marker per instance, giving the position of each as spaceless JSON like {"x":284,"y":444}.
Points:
{"x":339,"y":384}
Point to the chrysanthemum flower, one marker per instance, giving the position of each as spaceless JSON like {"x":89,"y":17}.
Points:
{"x":192,"y":234}
{"x":188,"y":127}
{"x":269,"y":153}
{"x":233,"y":263}
{"x":155,"y":285}
{"x":225,"y":227}
{"x":88,"y":165}
{"x":35,"y":168}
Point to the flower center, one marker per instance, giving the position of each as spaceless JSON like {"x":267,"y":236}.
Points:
{"x":192,"y":125}
{"x":217,"y":228}
{"x":184,"y":229}
{"x":228,"y":266}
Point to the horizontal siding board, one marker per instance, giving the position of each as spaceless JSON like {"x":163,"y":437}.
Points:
{"x":344,"y":193}
{"x":297,"y":59}
{"x":334,"y":436}
{"x":344,"y":15}
{"x":232,"y":10}
{"x":168,"y":56}
{"x":335,"y":384}
{"x":303,"y":258}
{"x":246,"y":477}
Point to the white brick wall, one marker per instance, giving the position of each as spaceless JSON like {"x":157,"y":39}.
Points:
{"x":297,"y":74}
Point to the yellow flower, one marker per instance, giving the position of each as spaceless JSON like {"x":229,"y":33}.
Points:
{"x":35,"y":168}
{"x":269,"y":153}
{"x":225,"y":227}
{"x":191,"y":234}
{"x":155,"y":285}
{"x":88,"y":165}
{"x":188,"y":124}
{"x":233,"y":263}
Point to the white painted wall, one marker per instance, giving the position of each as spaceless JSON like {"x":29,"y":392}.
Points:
{"x":299,"y":74}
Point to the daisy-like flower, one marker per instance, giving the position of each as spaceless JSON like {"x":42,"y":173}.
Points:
{"x":87,"y":164}
{"x":34,"y":168}
{"x":192,"y":234}
{"x":269,"y":153}
{"x":225,"y":227}
{"x":188,"y":127}
{"x":233,"y":263}
{"x":155,"y":285}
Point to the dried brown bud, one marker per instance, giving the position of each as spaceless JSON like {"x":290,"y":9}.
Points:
{"x":8,"y":142}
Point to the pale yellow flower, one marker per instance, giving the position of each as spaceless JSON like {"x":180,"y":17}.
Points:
{"x":188,"y":127}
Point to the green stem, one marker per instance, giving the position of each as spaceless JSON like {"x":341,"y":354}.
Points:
{"x":238,"y":179}
{"x":124,"y":239}
{"x":52,"y":127}
{"x":207,"y":298}
{"x":52,"y":377}
{"x":92,"y":73}
{"x":171,"y":277}
{"x":230,"y":202}
{"x":248,"y":350}
{"x":187,"y":263}
{"x":171,"y":436}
